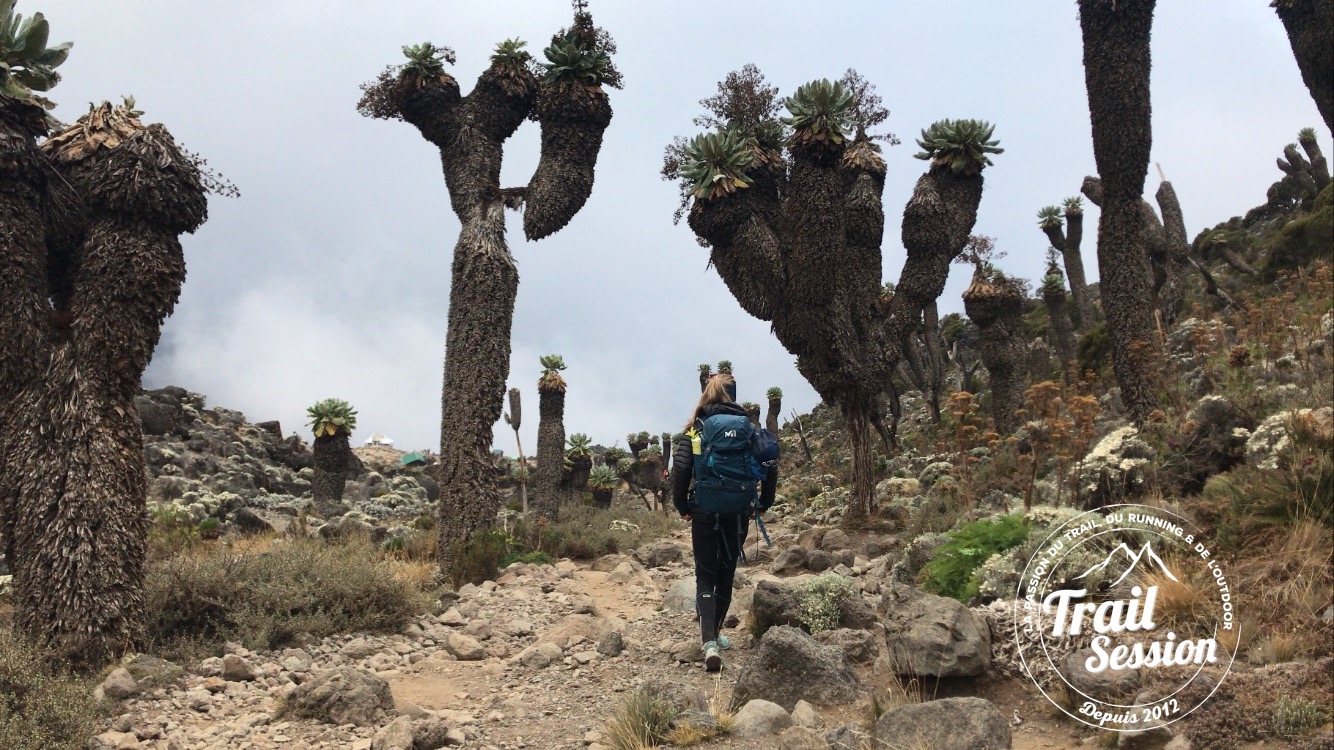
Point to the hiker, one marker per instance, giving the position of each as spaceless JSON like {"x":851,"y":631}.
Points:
{"x":716,"y":538}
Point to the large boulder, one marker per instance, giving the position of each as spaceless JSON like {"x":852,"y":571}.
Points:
{"x":780,"y":603}
{"x":789,"y":665}
{"x":1108,"y":685}
{"x":658,"y":554}
{"x":343,"y":696}
{"x":929,"y":635}
{"x":954,"y":723}
{"x":760,"y":718}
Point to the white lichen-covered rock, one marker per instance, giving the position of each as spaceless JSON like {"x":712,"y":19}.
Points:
{"x":1272,"y":439}
{"x":1117,"y":467}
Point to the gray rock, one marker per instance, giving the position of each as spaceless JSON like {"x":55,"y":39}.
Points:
{"x":789,"y":561}
{"x":464,"y":648}
{"x":236,"y":669}
{"x":848,"y":737}
{"x":343,"y":696}
{"x":805,"y":715}
{"x":1151,"y":737}
{"x":1106,"y":685}
{"x":152,"y":671}
{"x":760,"y":718}
{"x":658,"y":554}
{"x":933,"y":636}
{"x":540,"y":655}
{"x":612,"y":644}
{"x":835,"y":540}
{"x":859,"y":646}
{"x":788,"y":665}
{"x":120,"y":684}
{"x":261,"y":521}
{"x":955,"y":723}
{"x":432,"y":733}
{"x":680,"y":597}
{"x":801,"y":738}
{"x":396,"y":735}
{"x":819,"y":560}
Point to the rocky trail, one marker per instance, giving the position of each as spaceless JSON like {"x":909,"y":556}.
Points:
{"x":536,"y":659}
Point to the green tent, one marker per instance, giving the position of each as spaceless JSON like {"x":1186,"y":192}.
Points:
{"x":414,"y":458}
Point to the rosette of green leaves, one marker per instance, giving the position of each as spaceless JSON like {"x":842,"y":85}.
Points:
{"x":961,"y":145}
{"x":603,"y":478}
{"x":570,"y":61}
{"x":427,"y":59}
{"x":332,"y":416}
{"x":26,"y":63}
{"x":715,"y":164}
{"x":821,"y":113}
{"x":1050,"y":216}
{"x":580,"y":446}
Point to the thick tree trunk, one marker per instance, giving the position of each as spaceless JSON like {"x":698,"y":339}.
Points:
{"x":1062,"y":332}
{"x":550,"y":452}
{"x":771,"y":416}
{"x":861,"y":505}
{"x":998,"y":315}
{"x":1074,"y":271}
{"x":1116,"y":73}
{"x":581,"y":466}
{"x":602,"y":499}
{"x":1310,"y":27}
{"x":933,"y":359}
{"x":330,"y":453}
{"x":484,"y":283}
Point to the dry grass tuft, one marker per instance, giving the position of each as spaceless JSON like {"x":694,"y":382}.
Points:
{"x":642,"y":721}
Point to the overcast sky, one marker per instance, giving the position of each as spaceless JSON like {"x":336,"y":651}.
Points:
{"x":330,"y":275}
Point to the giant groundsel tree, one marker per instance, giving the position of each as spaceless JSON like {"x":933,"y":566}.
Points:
{"x":1116,"y":75}
{"x":791,"y":211}
{"x":566,"y":96}
{"x":90,"y":267}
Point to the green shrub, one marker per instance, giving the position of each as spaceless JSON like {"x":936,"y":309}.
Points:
{"x":424,"y":522}
{"x":172,"y":532}
{"x":821,"y":601}
{"x":951,"y":570}
{"x":1303,"y":239}
{"x":478,"y":559}
{"x":532,"y":558}
{"x":39,"y":709}
{"x":1094,"y":351}
{"x":587,"y":533}
{"x":265,"y":598}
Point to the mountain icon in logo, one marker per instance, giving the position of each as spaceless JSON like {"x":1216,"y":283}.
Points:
{"x":1145,"y":555}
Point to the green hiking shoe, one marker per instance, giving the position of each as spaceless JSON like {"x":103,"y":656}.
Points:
{"x":712,"y":661}
{"x":723,"y":642}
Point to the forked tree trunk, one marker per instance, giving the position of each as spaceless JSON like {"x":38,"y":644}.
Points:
{"x":1116,"y":74}
{"x":74,"y":522}
{"x":858,"y":423}
{"x":483,"y":285}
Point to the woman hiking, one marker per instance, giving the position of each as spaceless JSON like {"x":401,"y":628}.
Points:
{"x":716,"y":537}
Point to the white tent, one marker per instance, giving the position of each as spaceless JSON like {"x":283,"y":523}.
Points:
{"x":380,"y":438}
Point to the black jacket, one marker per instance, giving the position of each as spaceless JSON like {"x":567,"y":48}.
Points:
{"x":683,"y":464}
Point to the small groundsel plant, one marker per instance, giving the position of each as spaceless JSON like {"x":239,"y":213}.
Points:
{"x":332,"y":416}
{"x":1295,"y":716}
{"x":821,"y":601}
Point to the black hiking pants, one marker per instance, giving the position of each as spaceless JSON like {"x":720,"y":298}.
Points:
{"x":716,"y":542}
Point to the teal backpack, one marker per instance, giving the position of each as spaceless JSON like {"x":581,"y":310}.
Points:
{"x":726,"y":472}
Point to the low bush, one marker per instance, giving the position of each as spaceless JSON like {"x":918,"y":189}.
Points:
{"x":40,"y":709}
{"x":643,"y":720}
{"x":821,"y":601}
{"x":951,"y":570}
{"x":586,"y":533}
{"x":264,"y":593}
